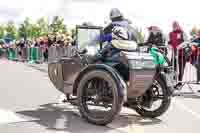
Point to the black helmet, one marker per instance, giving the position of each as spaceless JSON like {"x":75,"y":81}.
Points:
{"x":87,"y":24}
{"x":115,"y":13}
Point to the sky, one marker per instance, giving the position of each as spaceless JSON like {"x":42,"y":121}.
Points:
{"x":142,"y":13}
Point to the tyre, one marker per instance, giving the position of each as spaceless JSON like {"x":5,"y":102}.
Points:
{"x":152,"y":96}
{"x":98,"y":88}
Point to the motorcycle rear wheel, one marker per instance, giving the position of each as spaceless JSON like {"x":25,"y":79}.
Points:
{"x":166,"y":101}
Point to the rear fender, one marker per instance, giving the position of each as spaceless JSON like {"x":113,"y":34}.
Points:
{"x":122,"y":88}
{"x":169,"y":86}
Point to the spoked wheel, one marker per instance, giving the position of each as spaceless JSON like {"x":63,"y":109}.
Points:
{"x":155,"y":101}
{"x":98,"y":98}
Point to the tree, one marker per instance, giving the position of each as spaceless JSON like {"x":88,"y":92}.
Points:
{"x":25,"y":29}
{"x":2,"y":31}
{"x":58,"y":25}
{"x":11,"y":30}
{"x":35,"y":31}
{"x":139,"y":34}
{"x":73,"y":31}
{"x":22,"y":32}
{"x":43,"y":26}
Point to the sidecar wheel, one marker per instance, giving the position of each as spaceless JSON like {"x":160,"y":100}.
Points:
{"x":165,"y":103}
{"x":102,"y":83}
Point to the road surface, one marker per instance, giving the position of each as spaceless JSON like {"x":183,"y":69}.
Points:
{"x":29,"y":103}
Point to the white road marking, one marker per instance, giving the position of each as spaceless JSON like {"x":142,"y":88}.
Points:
{"x":186,"y":109}
{"x":7,"y":116}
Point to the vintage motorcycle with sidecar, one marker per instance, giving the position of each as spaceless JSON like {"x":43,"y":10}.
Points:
{"x":137,"y":80}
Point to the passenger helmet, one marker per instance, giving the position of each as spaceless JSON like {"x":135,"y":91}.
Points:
{"x":115,"y":13}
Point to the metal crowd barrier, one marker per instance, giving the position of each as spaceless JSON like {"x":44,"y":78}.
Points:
{"x":12,"y":54}
{"x":189,"y":66}
{"x":184,"y":67}
{"x":33,"y":54}
{"x":36,"y":54}
{"x":187,"y":70}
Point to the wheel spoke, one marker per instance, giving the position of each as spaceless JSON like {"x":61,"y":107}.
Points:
{"x":158,"y":97}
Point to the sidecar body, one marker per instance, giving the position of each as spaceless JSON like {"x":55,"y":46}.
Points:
{"x":64,"y":66}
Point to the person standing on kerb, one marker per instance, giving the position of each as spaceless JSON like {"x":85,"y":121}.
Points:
{"x":177,"y":37}
{"x":196,"y":53}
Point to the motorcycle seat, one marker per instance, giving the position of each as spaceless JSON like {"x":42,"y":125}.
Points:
{"x":125,"y":45}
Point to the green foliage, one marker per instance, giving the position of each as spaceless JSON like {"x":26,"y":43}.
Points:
{"x":25,"y":29}
{"x":11,"y":30}
{"x":28,"y":30}
{"x":43,"y":26}
{"x":35,"y":31}
{"x":2,"y":31}
{"x":139,"y":34}
{"x":73,"y":31}
{"x":58,"y":25}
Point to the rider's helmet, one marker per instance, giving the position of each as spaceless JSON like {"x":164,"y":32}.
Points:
{"x":87,"y":23}
{"x":115,"y":14}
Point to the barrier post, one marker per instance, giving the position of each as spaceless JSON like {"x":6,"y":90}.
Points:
{"x":1,"y":52}
{"x":12,"y":54}
{"x":34,"y":54}
{"x":30,"y":55}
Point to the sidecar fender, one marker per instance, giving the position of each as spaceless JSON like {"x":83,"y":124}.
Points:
{"x":122,"y":87}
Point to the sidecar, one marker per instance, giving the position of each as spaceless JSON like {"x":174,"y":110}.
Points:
{"x":102,"y":89}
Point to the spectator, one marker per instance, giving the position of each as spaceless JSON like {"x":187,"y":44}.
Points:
{"x":37,"y":42}
{"x":196,"y":53}
{"x":49,"y":41}
{"x":155,"y":36}
{"x":44,"y":45}
{"x":68,"y":41}
{"x":176,"y":37}
{"x":60,"y":40}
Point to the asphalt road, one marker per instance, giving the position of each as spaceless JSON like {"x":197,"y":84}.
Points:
{"x":29,"y":103}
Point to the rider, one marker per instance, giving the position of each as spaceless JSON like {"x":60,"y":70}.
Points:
{"x":118,"y":25}
{"x":118,"y":29}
